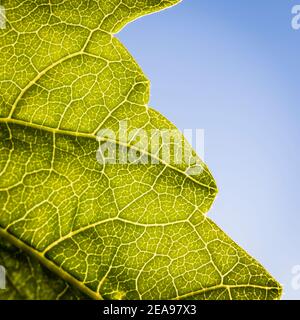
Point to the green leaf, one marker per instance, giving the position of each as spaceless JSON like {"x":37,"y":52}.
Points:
{"x":28,"y":279}
{"x":112,"y":231}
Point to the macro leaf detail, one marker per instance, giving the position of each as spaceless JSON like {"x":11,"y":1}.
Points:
{"x":87,"y":229}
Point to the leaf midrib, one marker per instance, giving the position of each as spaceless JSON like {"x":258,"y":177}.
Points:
{"x":49,"y":264}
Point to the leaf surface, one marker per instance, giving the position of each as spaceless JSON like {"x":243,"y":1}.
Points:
{"x":28,"y":279}
{"x":113,"y":231}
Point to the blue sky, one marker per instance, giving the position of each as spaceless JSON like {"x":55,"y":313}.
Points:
{"x":232,"y":68}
